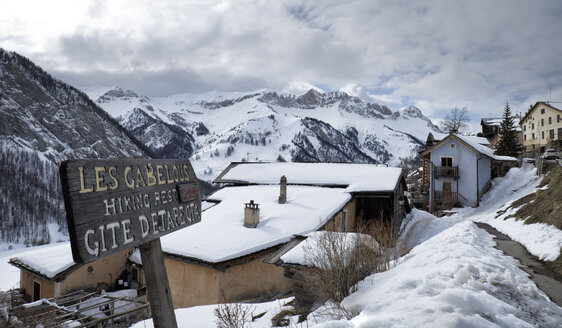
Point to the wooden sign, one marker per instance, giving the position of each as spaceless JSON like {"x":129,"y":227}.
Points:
{"x":116,"y":204}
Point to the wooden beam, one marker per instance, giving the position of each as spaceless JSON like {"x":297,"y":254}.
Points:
{"x":157,"y":285}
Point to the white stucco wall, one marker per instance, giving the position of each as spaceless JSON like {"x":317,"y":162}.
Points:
{"x":484,"y":173}
{"x":465,"y":159}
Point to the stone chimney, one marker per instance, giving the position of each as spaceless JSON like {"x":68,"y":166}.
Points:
{"x":283,"y":191}
{"x":251,"y":214}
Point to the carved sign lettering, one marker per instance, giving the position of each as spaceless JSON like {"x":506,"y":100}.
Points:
{"x":117,"y":204}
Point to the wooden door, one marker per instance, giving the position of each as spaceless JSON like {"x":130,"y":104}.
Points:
{"x":36,"y":291}
{"x":447,"y":190}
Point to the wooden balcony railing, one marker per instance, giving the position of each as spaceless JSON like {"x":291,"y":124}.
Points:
{"x":447,"y":172}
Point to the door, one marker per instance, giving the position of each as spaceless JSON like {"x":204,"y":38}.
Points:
{"x":36,"y":291}
{"x":447,"y":190}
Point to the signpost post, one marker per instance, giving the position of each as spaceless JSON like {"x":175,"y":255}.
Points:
{"x":117,"y":204}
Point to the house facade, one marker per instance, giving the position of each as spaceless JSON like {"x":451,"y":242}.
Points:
{"x":459,"y":171}
{"x":542,"y":128}
{"x":50,"y":272}
{"x":225,"y":260}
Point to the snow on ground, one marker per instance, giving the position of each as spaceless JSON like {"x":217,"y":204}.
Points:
{"x":541,"y":240}
{"x":455,"y":279}
{"x":204,"y":316}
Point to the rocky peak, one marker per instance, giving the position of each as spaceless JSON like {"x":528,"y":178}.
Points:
{"x":44,"y":114}
{"x":115,"y":94}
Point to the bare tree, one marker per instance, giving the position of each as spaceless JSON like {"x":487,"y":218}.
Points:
{"x":233,"y":315}
{"x":455,"y":120}
{"x":338,"y":262}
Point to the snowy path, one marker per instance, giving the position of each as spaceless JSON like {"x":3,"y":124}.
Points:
{"x":548,"y":281}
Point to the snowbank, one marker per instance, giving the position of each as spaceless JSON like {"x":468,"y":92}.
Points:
{"x":456,"y":278}
{"x":204,"y":316}
{"x":541,"y":240}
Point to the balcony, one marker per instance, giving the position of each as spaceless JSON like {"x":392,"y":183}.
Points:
{"x":447,"y":172}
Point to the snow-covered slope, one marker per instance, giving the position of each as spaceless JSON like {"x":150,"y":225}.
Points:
{"x":42,"y":114}
{"x":42,"y":122}
{"x":216,"y":128}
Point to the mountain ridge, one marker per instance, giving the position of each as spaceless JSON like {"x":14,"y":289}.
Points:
{"x":266,"y":125}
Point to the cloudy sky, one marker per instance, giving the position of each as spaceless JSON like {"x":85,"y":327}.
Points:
{"x":432,"y":54}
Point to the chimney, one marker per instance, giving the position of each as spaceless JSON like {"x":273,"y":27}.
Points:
{"x":251,"y":214}
{"x":283,"y":191}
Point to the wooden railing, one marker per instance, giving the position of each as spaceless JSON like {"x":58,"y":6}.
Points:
{"x":447,"y":171}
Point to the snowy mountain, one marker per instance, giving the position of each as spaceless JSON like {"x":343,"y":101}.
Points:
{"x":43,"y":114}
{"x":216,"y":128}
{"x":42,"y":122}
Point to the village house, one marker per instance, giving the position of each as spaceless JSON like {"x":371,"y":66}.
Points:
{"x":260,"y":208}
{"x":49,"y":272}
{"x":542,"y":128}
{"x":433,"y":139}
{"x":224,"y":257}
{"x":458,"y":170}
{"x":491,"y":129}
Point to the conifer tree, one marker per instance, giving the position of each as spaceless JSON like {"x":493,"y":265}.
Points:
{"x":508,"y":145}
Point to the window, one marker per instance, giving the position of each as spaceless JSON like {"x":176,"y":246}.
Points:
{"x":550,"y":120}
{"x":524,"y":128}
{"x":542,"y":121}
{"x":447,"y":161}
{"x":533,"y":126}
{"x":524,"y":137}
{"x":343,"y":221}
{"x":533,"y":135}
{"x":551,"y":134}
{"x":558,"y":119}
{"x":542,"y":110}
{"x":453,"y":146}
{"x":542,"y":134}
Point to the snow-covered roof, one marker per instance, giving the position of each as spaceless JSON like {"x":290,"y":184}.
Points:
{"x":356,"y":177}
{"x":498,"y":121}
{"x":474,"y":139}
{"x":485,"y":150}
{"x":492,"y":121}
{"x":47,"y":261}
{"x":221,"y":235}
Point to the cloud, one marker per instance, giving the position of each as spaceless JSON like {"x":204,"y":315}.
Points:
{"x":436,"y":55}
{"x":356,"y":90}
{"x":298,"y":88}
